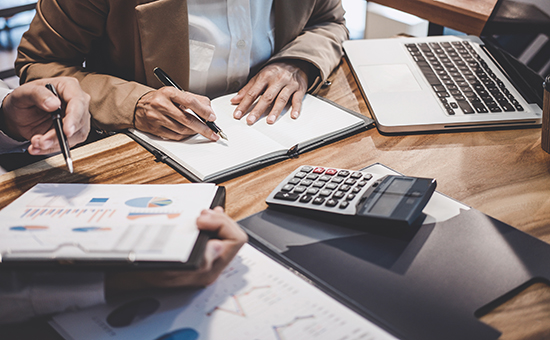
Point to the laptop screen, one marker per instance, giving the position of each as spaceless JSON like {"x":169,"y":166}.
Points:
{"x":519,"y":16}
{"x":522,"y":28}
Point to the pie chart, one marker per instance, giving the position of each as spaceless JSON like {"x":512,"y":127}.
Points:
{"x":149,"y":202}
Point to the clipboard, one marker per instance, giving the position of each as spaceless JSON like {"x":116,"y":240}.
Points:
{"x":106,"y":227}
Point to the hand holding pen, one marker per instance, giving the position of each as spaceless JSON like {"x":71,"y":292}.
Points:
{"x":173,"y":114}
{"x":167,"y":81}
{"x":27,"y":114}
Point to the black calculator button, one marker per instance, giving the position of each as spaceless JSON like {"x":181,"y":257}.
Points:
{"x":287,"y":196}
{"x":287,"y":187}
{"x":331,"y":203}
{"x":350,"y":197}
{"x":331,"y":186}
{"x":350,"y":181}
{"x":325,"y":192}
{"x":318,"y":200}
{"x":306,"y":168}
{"x":325,"y":178}
{"x":368,"y":176}
{"x":306,"y":182}
{"x":312,"y":176}
{"x":344,"y":205}
{"x":343,"y":173}
{"x":345,"y":187}
{"x":337,"y":180}
{"x":362,"y":183}
{"x":318,"y":184}
{"x":300,"y":189}
{"x":356,"y":190}
{"x":338,"y":194}
{"x":294,"y":181}
{"x":306,"y":198}
{"x":312,"y":191}
{"x":300,"y":174}
{"x":356,"y":175}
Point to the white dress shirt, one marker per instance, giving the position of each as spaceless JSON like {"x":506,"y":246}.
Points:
{"x":227,"y":39}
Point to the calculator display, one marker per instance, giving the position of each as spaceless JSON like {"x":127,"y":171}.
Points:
{"x":387,"y":199}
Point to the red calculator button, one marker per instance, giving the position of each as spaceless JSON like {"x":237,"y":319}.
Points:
{"x":331,"y":172}
{"x":319,"y":170}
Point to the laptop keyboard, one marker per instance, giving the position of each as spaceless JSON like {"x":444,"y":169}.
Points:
{"x":461,"y":78}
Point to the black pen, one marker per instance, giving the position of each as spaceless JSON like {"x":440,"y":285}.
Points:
{"x":58,"y":123}
{"x":167,"y":81}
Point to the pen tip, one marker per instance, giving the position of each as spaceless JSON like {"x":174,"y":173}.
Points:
{"x":70,"y":165}
{"x":224,"y":136}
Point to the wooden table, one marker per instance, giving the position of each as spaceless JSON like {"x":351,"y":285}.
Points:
{"x":468,"y":16}
{"x":504,"y":174}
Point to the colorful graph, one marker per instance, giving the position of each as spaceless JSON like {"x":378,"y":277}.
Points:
{"x":136,"y":215}
{"x":90,"y":229}
{"x":237,"y":306}
{"x":280,"y":328}
{"x":97,"y":202}
{"x":148,"y":202}
{"x":29,"y":228}
{"x":91,"y":215}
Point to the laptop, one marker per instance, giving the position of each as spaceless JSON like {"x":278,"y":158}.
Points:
{"x":440,"y":83}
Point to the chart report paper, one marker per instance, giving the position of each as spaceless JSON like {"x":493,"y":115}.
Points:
{"x":103,"y":222}
{"x":254,"y":298}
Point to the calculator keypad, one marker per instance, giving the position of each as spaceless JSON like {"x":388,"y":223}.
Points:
{"x":322,"y":188}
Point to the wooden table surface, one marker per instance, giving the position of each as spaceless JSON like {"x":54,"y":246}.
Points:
{"x":468,"y":16}
{"x":504,"y":174}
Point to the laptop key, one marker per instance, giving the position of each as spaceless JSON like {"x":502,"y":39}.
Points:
{"x":480,"y":108}
{"x":466,"y":108}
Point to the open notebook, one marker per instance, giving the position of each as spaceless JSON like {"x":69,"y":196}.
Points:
{"x":249,"y":147}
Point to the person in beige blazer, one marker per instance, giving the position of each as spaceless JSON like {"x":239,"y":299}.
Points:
{"x":112,"y":47}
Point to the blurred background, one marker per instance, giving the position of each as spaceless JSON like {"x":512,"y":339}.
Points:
{"x":365,"y":20}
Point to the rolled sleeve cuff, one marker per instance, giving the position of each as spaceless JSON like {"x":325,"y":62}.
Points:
{"x":8,"y":144}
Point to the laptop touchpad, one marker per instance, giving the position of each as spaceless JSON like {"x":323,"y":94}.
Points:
{"x":388,"y":78}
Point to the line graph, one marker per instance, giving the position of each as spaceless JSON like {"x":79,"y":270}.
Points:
{"x":279,"y":329}
{"x":236,"y":299}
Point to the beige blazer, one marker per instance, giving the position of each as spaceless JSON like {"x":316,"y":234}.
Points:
{"x":112,"y":46}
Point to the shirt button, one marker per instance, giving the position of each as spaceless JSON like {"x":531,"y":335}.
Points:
{"x":241,"y":44}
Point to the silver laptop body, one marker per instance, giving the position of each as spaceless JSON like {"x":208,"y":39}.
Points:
{"x":392,"y":77}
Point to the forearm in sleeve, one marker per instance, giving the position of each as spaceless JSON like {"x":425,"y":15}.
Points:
{"x":24,"y":295}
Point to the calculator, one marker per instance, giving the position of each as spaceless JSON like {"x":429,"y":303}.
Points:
{"x":350,"y":195}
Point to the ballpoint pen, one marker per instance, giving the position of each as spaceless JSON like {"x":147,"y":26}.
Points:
{"x":167,"y":81}
{"x":58,"y":124}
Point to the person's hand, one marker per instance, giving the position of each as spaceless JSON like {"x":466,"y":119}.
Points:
{"x":219,"y":252}
{"x":26,"y":113}
{"x":275,"y":85}
{"x":162,"y":113}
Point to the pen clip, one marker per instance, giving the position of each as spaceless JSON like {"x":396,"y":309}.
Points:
{"x":293,"y":152}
